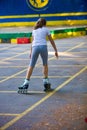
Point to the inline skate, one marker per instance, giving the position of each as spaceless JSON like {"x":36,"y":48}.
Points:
{"x":24,"y":87}
{"x":47,"y":85}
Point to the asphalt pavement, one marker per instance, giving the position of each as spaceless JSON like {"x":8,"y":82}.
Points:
{"x":65,"y":108}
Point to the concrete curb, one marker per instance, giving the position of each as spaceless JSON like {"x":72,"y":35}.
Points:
{"x":25,"y":38}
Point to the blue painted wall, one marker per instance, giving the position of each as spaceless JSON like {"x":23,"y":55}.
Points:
{"x":21,"y":8}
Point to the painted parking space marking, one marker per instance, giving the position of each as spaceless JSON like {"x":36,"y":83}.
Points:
{"x":76,"y":47}
{"x":20,"y":72}
{"x":36,"y":77}
{"x":62,"y":66}
{"x":12,"y":76}
{"x":8,"y":114}
{"x":19,"y":116}
{"x":10,"y":58}
{"x":6,"y":48}
{"x":10,"y":123}
{"x":11,"y":92}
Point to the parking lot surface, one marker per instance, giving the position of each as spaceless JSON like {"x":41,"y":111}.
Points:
{"x":65,"y":108}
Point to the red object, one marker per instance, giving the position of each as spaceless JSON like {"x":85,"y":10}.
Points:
{"x":24,"y":40}
{"x":86,"y":119}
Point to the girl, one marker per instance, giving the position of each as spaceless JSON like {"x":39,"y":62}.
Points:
{"x":39,"y":47}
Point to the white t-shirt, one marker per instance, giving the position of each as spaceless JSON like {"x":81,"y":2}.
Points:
{"x":39,"y":36}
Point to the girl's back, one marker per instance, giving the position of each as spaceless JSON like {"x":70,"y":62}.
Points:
{"x":39,"y":36}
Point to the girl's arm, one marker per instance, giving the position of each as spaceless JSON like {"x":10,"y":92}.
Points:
{"x":31,"y":51}
{"x":31,"y":47}
{"x":53,"y":45}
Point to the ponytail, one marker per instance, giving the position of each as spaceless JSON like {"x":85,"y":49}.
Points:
{"x":38,"y":25}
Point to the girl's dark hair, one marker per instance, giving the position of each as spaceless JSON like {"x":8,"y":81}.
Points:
{"x":40,"y":23}
{"x":43,"y":21}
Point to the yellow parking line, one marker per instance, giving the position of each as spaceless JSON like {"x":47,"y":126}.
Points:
{"x":85,"y":46}
{"x":41,"y":66}
{"x":7,"y":66}
{"x":21,"y":59}
{"x":10,"y":58}
{"x":43,"y":99}
{"x":76,"y":47}
{"x":5,"y":48}
{"x":8,"y":114}
{"x":37,"y":64}
{"x":14,"y":75}
{"x":53,"y":54}
{"x":11,"y":92}
{"x":49,"y":76}
{"x":8,"y":91}
{"x":36,"y":76}
{"x":79,"y":52}
{"x":10,"y":123}
{"x":65,"y":66}
{"x":28,"y":52}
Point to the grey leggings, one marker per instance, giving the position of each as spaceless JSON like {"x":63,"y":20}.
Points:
{"x":36,"y":51}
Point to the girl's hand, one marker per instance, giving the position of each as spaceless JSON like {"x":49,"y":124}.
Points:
{"x":56,"y":54}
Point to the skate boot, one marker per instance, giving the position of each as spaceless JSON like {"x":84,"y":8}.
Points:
{"x":47,"y":85}
{"x":24,"y":87}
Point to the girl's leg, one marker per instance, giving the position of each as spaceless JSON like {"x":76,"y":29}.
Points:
{"x":45,"y":71}
{"x":44,"y":56}
{"x":29,"y":72}
{"x":25,"y":84}
{"x":34,"y":56}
